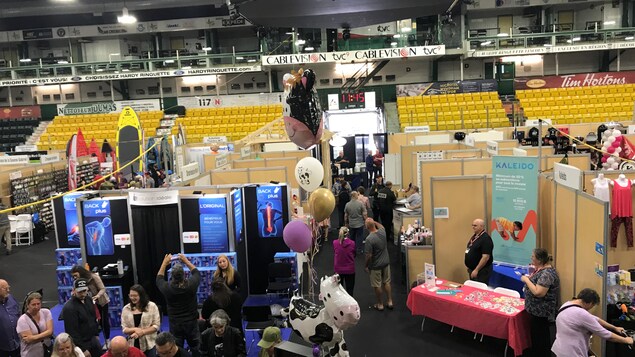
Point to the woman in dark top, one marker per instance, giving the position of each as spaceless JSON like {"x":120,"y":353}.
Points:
{"x":225,"y":271}
{"x":223,"y":298}
{"x":542,"y":289}
{"x":222,"y":340}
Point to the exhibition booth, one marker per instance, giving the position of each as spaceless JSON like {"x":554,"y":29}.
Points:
{"x":125,"y":234}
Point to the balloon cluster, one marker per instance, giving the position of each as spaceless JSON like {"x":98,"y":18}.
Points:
{"x":302,"y":114}
{"x":309,"y":173}
{"x":612,"y":147}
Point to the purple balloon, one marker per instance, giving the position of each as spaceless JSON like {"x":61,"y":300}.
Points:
{"x":316,"y":350}
{"x":297,"y":236}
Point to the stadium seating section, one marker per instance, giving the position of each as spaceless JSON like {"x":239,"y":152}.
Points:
{"x":14,"y":132}
{"x":233,"y":122}
{"x":579,"y":105}
{"x":444,"y":111}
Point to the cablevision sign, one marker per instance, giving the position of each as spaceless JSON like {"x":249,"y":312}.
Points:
{"x":351,"y":56}
{"x":128,"y":75}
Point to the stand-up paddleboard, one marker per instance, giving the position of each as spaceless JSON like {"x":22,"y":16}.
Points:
{"x":152,"y":157}
{"x":93,"y":150}
{"x":82,"y":148}
{"x":166,"y":154}
{"x":71,"y":158}
{"x":129,"y":142}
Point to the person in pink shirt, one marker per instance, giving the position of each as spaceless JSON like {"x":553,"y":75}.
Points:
{"x":575,"y":324}
{"x":363,"y":198}
{"x":344,"y":260}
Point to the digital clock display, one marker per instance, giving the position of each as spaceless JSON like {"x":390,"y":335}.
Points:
{"x":353,"y":98}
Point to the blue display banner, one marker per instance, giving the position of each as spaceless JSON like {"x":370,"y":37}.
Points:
{"x":70,"y":214}
{"x":270,"y":211}
{"x":514,"y":203}
{"x":237,"y":199}
{"x":98,"y":228}
{"x":213,"y":222}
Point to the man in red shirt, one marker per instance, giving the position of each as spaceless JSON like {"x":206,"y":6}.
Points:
{"x":119,"y":348}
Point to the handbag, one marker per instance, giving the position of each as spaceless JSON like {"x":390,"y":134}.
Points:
{"x":48,"y":349}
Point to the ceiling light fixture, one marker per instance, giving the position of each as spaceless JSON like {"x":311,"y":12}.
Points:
{"x":206,"y":48}
{"x":240,"y":58}
{"x":548,"y":45}
{"x":609,"y":22}
{"x":396,"y":36}
{"x":629,"y":38}
{"x":251,"y":60}
{"x":125,"y":17}
{"x":502,"y":34}
{"x":393,"y":44}
{"x":486,"y":43}
{"x":25,"y":60}
{"x":300,"y":42}
{"x":576,"y":39}
{"x":62,"y":62}
{"x":309,"y":48}
{"x":406,"y":29}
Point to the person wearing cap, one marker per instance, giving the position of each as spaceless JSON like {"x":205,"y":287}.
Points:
{"x":222,"y":340}
{"x":180,"y":296}
{"x":119,"y":348}
{"x":271,"y":336}
{"x":80,"y":320}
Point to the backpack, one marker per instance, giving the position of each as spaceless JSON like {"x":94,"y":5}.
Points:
{"x":344,"y":196}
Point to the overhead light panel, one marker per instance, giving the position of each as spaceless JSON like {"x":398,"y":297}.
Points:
{"x":125,"y":17}
{"x":206,"y":48}
{"x":609,"y":22}
{"x":486,"y":43}
{"x":396,"y":36}
{"x":502,"y":34}
{"x":25,"y":60}
{"x":629,"y":38}
{"x":393,"y":44}
{"x":309,"y":48}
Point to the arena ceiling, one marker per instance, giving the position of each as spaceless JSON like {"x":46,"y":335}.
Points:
{"x":274,"y":13}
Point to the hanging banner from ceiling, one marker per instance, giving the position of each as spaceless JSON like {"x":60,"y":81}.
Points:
{"x":351,"y":56}
{"x":143,"y":105}
{"x":554,"y":49}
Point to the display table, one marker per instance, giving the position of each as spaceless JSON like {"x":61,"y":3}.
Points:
{"x":508,"y":277}
{"x":476,"y":310}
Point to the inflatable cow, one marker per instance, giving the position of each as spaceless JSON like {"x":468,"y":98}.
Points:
{"x":325,"y":325}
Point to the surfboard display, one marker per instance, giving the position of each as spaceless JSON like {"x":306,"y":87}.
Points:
{"x":129,"y":142}
{"x":152,"y":157}
{"x":166,"y":154}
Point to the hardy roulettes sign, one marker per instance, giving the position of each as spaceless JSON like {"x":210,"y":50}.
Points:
{"x":351,"y":56}
{"x":576,"y":80}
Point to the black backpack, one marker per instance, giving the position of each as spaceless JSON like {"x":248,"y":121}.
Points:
{"x":344,"y":196}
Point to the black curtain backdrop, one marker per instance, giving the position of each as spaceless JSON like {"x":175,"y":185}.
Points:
{"x":156,"y":233}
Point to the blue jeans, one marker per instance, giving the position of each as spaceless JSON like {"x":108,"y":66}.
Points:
{"x":357,"y":235}
{"x":187,"y":331}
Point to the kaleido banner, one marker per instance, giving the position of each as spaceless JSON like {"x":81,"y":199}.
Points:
{"x":451,"y":87}
{"x":514,"y":203}
{"x":576,"y":80}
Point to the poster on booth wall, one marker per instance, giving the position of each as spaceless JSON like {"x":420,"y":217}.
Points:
{"x":213,"y":223}
{"x":237,"y":199}
{"x":70,"y":214}
{"x":98,"y":228}
{"x":270,"y":213}
{"x":514,"y":202}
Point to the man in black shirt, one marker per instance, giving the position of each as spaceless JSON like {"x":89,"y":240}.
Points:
{"x":374,"y":190}
{"x":387,"y":200}
{"x":180,"y":296}
{"x":80,"y":321}
{"x":166,"y":346}
{"x":478,"y":255}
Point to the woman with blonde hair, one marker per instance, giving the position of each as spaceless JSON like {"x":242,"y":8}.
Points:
{"x":225,"y":271}
{"x":344,"y":260}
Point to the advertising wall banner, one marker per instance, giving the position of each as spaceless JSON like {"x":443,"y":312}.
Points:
{"x":98,"y":228}
{"x":129,"y":75}
{"x":450,"y":87}
{"x":270,"y":213}
{"x":32,"y":111}
{"x":237,"y":203}
{"x":351,"y":56}
{"x":143,"y":105}
{"x":231,"y":100}
{"x":213,"y":223}
{"x":70,"y":213}
{"x":514,"y":203}
{"x":555,"y":49}
{"x":153,"y":198}
{"x":576,"y":80}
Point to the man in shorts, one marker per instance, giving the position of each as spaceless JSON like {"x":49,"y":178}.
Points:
{"x":378,"y":264}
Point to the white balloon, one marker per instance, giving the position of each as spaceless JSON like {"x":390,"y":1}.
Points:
{"x":618,"y":150}
{"x":610,"y":160}
{"x":309,"y":173}
{"x":610,"y":139}
{"x":615,"y":165}
{"x":617,"y":133}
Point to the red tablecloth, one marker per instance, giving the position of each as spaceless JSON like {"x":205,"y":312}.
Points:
{"x":473,"y":309}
